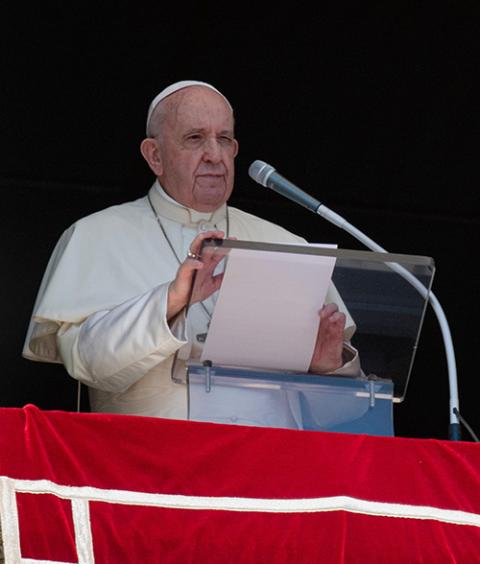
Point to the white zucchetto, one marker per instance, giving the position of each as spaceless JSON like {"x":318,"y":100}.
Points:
{"x":169,"y":90}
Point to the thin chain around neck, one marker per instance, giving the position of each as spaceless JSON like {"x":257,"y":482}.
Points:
{"x":170,"y":244}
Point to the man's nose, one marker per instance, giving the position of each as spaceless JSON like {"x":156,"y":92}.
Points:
{"x":212,"y":150}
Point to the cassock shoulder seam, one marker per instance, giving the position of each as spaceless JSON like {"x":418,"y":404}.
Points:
{"x":126,"y":211}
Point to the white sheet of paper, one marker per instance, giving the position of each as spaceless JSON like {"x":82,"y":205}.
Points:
{"x":267,"y":311}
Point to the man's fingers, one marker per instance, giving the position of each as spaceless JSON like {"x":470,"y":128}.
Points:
{"x":328,"y":310}
{"x":217,"y":280}
{"x":196,"y":244}
{"x":337,"y":318}
{"x":331,"y":317}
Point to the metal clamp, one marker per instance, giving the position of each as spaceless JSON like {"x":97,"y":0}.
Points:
{"x":207,"y":364}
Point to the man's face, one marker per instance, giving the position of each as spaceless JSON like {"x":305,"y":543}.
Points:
{"x":197,"y":149}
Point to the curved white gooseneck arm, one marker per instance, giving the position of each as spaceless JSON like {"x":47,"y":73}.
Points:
{"x":339,"y":221}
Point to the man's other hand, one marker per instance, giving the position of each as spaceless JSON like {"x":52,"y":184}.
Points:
{"x":327,"y":355}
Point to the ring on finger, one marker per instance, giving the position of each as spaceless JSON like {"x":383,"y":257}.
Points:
{"x":192,"y":255}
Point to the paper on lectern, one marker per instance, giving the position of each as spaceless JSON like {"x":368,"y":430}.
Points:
{"x":267,"y":310}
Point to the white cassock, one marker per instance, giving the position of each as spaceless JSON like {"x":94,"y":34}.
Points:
{"x":101,"y":307}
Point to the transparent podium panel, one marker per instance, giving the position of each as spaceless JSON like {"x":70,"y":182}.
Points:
{"x":257,"y":325}
{"x":290,"y":401}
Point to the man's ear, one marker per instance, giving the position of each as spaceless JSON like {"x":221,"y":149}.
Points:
{"x":151,"y":153}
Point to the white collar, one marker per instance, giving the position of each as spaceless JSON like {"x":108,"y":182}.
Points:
{"x":166,"y":206}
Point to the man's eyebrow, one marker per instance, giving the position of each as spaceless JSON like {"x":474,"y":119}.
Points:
{"x":228,"y":132}
{"x":194,"y":130}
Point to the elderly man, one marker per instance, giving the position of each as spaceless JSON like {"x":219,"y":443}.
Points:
{"x":112,"y":301}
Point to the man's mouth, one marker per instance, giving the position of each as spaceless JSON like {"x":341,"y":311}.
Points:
{"x":203,"y":179}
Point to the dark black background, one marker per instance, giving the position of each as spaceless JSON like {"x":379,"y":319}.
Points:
{"x":371,"y":107}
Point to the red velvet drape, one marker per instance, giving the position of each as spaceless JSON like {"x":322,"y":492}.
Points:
{"x":421,"y":482}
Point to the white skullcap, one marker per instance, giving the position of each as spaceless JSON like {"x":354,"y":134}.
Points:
{"x":174,"y":88}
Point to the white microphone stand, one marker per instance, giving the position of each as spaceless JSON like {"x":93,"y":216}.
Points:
{"x":454,"y":429}
{"x":266,"y":175}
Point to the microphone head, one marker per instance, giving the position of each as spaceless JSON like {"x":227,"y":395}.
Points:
{"x":260,"y":172}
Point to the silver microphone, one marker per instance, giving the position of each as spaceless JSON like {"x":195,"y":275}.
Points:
{"x":266,"y":175}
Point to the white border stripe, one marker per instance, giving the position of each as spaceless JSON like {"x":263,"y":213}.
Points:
{"x":308,"y":505}
{"x":83,"y":532}
{"x":33,"y":561}
{"x":9,"y":520}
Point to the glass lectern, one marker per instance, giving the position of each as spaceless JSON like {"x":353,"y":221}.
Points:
{"x":384,"y":294}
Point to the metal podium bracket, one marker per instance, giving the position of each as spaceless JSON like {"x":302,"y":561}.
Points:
{"x":371,"y":385}
{"x":207,"y":364}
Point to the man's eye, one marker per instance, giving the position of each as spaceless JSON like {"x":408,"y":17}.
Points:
{"x":193,"y":141}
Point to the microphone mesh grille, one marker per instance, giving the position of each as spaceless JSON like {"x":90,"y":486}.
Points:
{"x":260,"y":171}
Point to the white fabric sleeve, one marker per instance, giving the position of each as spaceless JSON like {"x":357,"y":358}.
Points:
{"x":351,"y":362}
{"x":112,"y":349}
